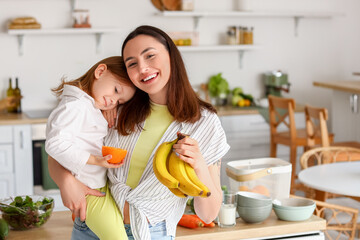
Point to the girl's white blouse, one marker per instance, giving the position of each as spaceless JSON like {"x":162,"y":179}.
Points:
{"x":76,"y":129}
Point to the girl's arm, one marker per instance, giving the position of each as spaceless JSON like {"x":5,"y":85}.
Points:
{"x":72,"y":191}
{"x":206,"y":208}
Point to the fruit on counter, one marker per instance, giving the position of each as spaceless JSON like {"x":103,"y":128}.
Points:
{"x":212,"y":224}
{"x":189,"y":221}
{"x":4,"y":229}
{"x":261,"y":189}
{"x":117,"y":154}
{"x":240,"y":99}
{"x":176,"y":174}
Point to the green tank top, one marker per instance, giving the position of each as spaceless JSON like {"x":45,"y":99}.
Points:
{"x":154,"y":128}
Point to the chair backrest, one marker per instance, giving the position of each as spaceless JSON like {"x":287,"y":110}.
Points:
{"x":324,"y":155}
{"x":316,"y":125}
{"x":281,"y":110}
{"x":336,"y":228}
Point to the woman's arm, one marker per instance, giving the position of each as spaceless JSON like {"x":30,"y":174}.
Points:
{"x":72,"y":191}
{"x":206,"y":208}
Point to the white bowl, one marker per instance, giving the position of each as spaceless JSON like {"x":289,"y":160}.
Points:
{"x":251,"y":199}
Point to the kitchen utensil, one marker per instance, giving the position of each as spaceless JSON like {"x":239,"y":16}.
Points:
{"x":275,"y":82}
{"x":172,"y":5}
{"x":251,"y":199}
{"x":293,"y":209}
{"x":254,"y":214}
{"x":158,"y":4}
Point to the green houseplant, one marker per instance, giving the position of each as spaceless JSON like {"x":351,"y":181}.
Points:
{"x":218,"y":89}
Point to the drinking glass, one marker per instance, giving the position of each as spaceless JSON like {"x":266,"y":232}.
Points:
{"x":227,"y":214}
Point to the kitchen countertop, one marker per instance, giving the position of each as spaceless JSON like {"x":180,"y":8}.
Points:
{"x":19,"y":118}
{"x":23,"y":118}
{"x":346,"y":86}
{"x":60,"y":226}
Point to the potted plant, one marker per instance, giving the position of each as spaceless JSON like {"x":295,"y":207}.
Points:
{"x":218,"y":89}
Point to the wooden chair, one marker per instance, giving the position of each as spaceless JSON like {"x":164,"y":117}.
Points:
{"x":335,"y":227}
{"x":316,"y":125}
{"x":281,"y":112}
{"x":328,"y":155}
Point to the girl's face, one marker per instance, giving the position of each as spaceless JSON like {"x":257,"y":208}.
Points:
{"x":148,"y":65}
{"x":108,"y":91}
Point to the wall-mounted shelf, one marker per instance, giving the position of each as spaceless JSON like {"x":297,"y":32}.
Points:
{"x":221,"y":48}
{"x":98,"y":32}
{"x":197,"y":15}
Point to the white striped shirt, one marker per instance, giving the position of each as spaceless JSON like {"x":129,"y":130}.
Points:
{"x":152,"y":202}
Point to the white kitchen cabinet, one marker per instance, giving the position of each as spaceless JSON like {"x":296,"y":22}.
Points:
{"x":249,"y":137}
{"x":345,"y":123}
{"x":16,"y":175}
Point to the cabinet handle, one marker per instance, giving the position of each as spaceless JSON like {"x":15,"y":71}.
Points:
{"x":21,"y":140}
{"x":354,"y":103}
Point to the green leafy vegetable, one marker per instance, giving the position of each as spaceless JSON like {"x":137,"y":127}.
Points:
{"x":218,"y":86}
{"x":24,"y":213}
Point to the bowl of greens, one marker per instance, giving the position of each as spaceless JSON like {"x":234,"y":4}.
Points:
{"x":26,"y":212}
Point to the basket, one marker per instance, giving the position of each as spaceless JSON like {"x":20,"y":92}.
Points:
{"x":267,"y":176}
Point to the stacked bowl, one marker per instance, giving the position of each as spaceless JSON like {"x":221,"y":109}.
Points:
{"x":293,"y":209}
{"x":253,"y":207}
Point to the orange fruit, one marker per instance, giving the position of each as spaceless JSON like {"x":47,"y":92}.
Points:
{"x":261,"y":189}
{"x":117,"y":154}
{"x":243,"y":188}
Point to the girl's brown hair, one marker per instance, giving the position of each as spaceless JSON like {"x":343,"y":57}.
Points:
{"x":116,"y":66}
{"x":182,"y":101}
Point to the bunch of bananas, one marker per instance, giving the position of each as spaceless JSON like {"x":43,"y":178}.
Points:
{"x":176,"y":174}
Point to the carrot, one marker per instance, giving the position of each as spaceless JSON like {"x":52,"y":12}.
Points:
{"x":190,"y":222}
{"x":212,"y":224}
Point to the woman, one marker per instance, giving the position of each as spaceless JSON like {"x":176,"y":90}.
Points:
{"x":163,"y":104}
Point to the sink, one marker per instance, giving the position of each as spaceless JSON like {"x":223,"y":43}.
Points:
{"x":40,"y":113}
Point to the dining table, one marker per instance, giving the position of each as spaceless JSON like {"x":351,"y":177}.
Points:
{"x":340,"y":178}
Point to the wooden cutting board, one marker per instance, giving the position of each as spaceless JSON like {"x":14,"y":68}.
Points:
{"x":158,"y":4}
{"x":172,"y":5}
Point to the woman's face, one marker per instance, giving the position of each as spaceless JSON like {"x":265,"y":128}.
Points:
{"x":148,"y":65}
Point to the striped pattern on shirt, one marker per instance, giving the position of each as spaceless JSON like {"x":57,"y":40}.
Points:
{"x":152,"y":202}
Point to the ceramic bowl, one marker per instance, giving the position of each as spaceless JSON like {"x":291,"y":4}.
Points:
{"x":254,"y":214}
{"x":294,"y":209}
{"x":250,"y":199}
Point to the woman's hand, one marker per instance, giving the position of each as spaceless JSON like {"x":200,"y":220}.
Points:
{"x":110,"y":116}
{"x":72,"y":191}
{"x":73,"y":196}
{"x":188,"y":150}
{"x":103,"y":161}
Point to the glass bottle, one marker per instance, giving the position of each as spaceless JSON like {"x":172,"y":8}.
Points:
{"x":246,"y":36}
{"x":231,"y":36}
{"x":241,"y":35}
{"x":10,"y":93}
{"x":17,"y":93}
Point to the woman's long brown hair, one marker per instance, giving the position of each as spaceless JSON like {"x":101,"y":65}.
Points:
{"x":116,"y":66}
{"x":182,"y":101}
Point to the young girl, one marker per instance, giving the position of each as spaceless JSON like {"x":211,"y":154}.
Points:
{"x":75,"y":132}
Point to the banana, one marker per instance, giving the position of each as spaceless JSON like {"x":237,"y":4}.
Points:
{"x":194,"y":178}
{"x":177,"y":170}
{"x":177,"y":192}
{"x":159,"y":165}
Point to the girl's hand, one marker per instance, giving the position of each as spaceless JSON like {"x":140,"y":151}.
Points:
{"x":188,"y":150}
{"x":73,"y":196}
{"x":103,"y":161}
{"x":110,"y":116}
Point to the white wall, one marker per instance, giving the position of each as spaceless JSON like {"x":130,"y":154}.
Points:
{"x":325,"y":50}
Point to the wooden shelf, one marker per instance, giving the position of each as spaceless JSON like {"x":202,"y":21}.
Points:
{"x":296,"y":15}
{"x":287,"y":14}
{"x":221,"y":48}
{"x":98,"y":32}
